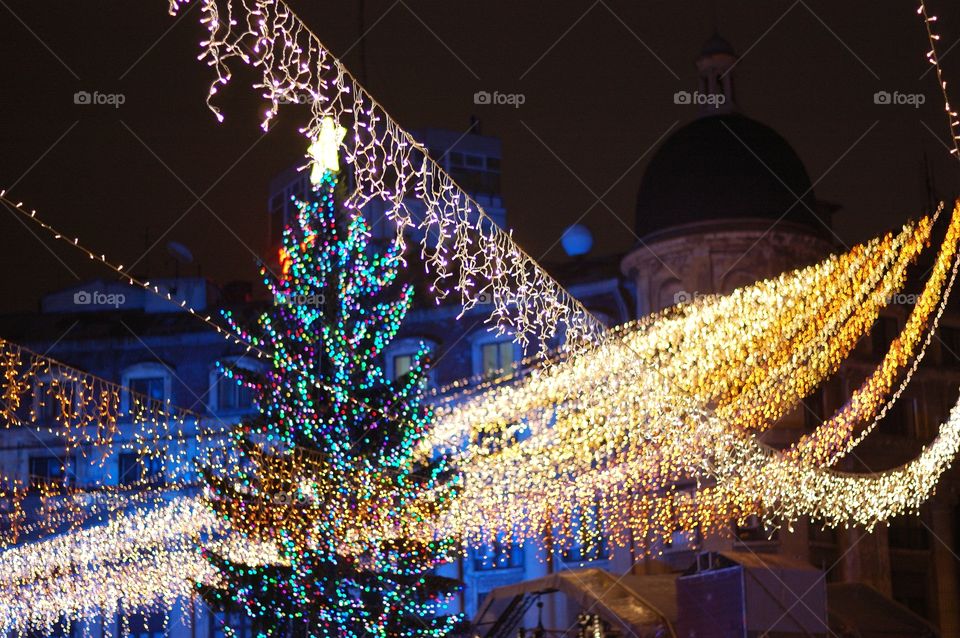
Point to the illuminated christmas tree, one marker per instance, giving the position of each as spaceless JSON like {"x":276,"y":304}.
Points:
{"x":327,"y":470}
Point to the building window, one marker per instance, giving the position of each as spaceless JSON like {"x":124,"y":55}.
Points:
{"x":61,"y":629}
{"x":230,"y":624}
{"x":50,"y":394}
{"x":147,"y":384}
{"x":908,"y":532}
{"x":232,"y":396}
{"x":401,"y":355}
{"x":498,"y":555}
{"x":683,"y":540}
{"x":588,"y":541}
{"x":147,"y":625}
{"x":150,"y":387}
{"x":587,"y":546}
{"x":882,"y":334}
{"x":474,"y":161}
{"x":135,"y":468}
{"x":52,"y":470}
{"x":474,"y":172}
{"x":401,"y":365}
{"x":227,"y":394}
{"x":950,"y":346}
{"x":753,"y":530}
{"x":896,"y":421}
{"x":496,"y":357}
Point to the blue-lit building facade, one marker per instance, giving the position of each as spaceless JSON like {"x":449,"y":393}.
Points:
{"x":153,"y":347}
{"x":710,"y":218}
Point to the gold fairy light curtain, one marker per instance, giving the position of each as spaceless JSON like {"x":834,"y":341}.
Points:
{"x":145,"y":558}
{"x":678,"y":400}
{"x":652,"y":430}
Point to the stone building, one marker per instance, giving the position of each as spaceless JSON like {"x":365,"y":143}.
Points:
{"x":724,"y":202}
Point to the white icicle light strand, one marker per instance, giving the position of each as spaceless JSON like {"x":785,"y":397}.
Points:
{"x":464,"y":250}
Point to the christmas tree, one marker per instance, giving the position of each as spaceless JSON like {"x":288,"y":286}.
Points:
{"x":327,"y":469}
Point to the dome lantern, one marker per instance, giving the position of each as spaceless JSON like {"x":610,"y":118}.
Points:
{"x":715,"y":70}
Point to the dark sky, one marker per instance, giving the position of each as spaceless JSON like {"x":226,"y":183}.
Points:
{"x":598,"y":80}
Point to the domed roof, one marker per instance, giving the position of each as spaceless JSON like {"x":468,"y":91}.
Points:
{"x":717,"y":44}
{"x":723,"y":167}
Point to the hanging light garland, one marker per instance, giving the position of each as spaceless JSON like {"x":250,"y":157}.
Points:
{"x":604,"y":439}
{"x":650,"y":430}
{"x":929,"y":20}
{"x":569,"y":438}
{"x":703,"y":348}
{"x":146,"y":558}
{"x":466,"y":251}
{"x":95,"y":419}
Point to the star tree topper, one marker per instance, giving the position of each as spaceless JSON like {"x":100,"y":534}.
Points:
{"x":324,"y":151}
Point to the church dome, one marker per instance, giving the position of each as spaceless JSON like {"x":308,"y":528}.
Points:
{"x":724,"y":167}
{"x":717,"y":44}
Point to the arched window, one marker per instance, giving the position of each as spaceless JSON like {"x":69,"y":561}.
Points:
{"x":400,"y":355}
{"x":149,"y":381}
{"x":737,"y":279}
{"x":670,"y":293}
{"x":494,"y":355}
{"x":226,"y":395}
{"x":53,"y":393}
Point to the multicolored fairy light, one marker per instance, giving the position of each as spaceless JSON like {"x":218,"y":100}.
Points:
{"x":653,"y":430}
{"x":336,"y":489}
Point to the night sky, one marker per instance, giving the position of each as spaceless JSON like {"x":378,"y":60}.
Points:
{"x":598,"y":82}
